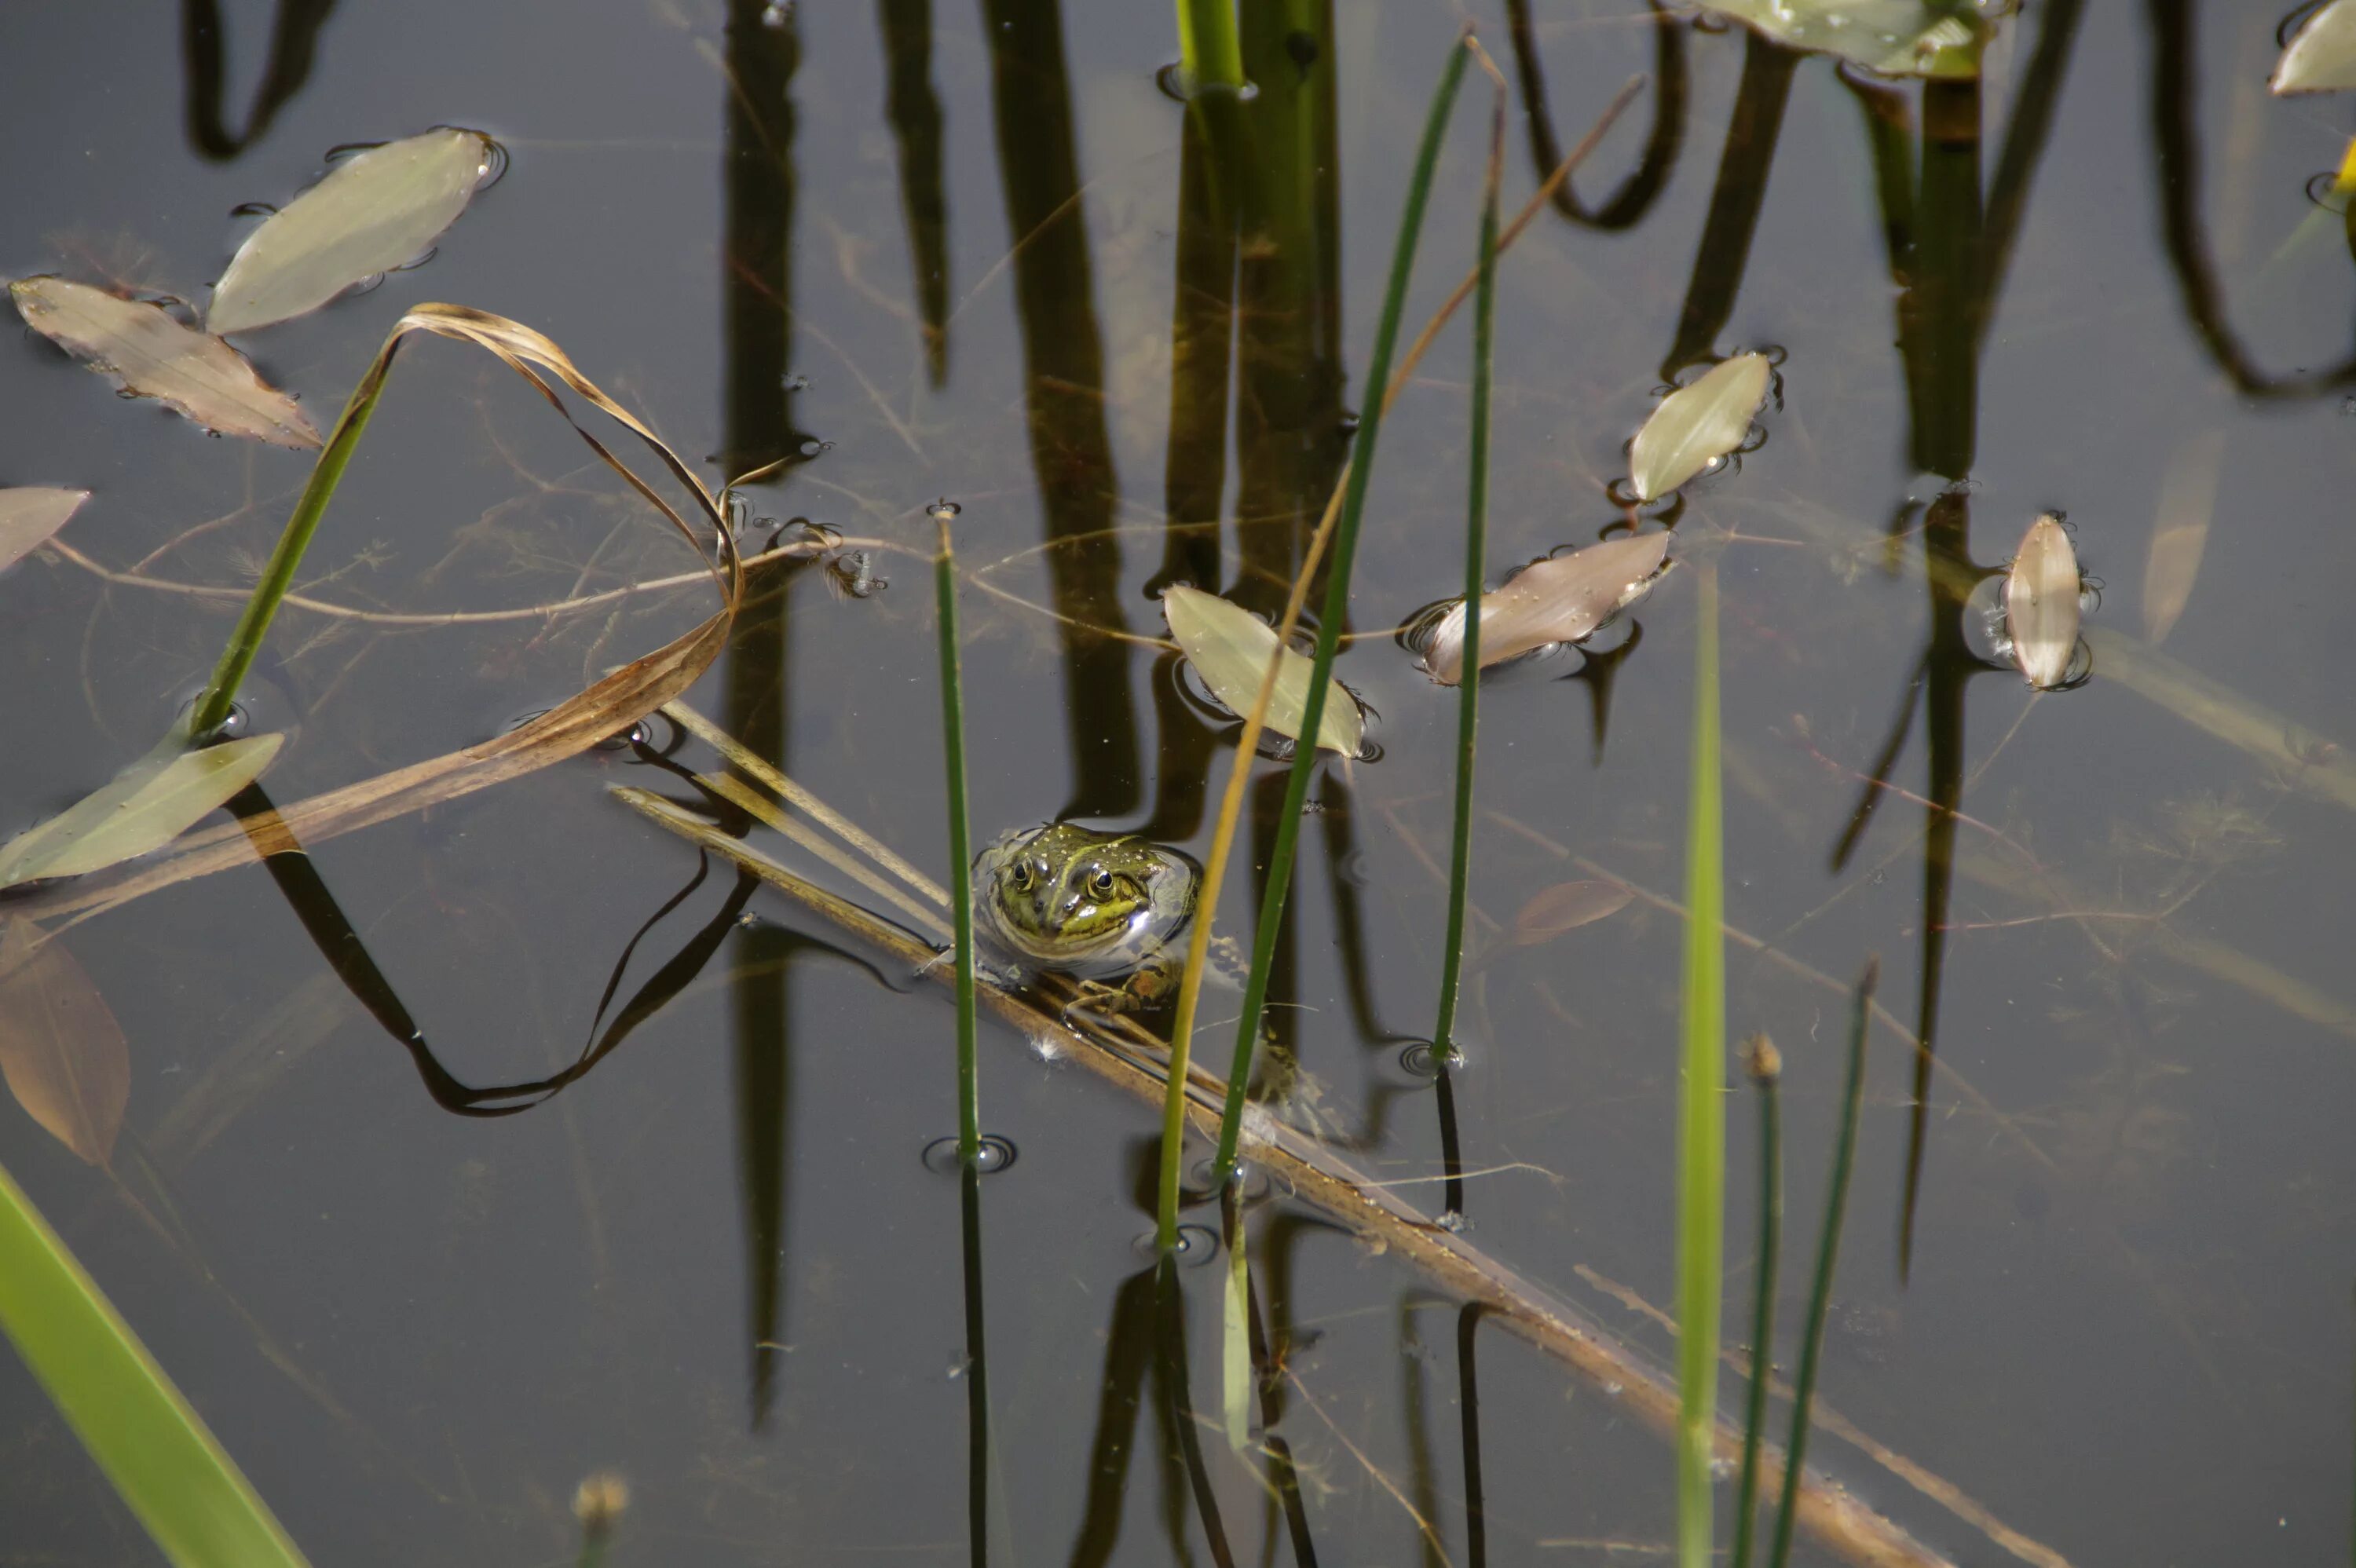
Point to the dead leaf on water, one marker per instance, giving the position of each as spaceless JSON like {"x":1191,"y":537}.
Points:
{"x":1230,"y":648}
{"x":1696,"y":425}
{"x":142,"y":808}
{"x":2180,"y":533}
{"x":2040,"y":604}
{"x":1566,"y":906}
{"x":61,"y":1053}
{"x":373,"y":213}
{"x":155,"y":357}
{"x":30,"y":515}
{"x":2322,"y":56}
{"x":1561,"y":599}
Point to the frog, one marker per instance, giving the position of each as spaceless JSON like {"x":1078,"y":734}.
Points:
{"x":1110,"y":910}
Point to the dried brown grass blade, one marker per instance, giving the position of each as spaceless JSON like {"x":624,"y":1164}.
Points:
{"x":572,"y":726}
{"x":61,"y":1051}
{"x":155,"y":357}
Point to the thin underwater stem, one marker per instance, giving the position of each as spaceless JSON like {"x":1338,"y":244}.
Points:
{"x":1803,"y":1384}
{"x":1345,"y":541}
{"x":1701,"y":1096}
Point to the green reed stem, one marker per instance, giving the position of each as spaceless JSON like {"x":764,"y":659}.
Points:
{"x":152,"y":1446}
{"x":278,"y":573}
{"x":961,"y":850}
{"x":1701,"y":1097}
{"x":1827,"y":1257}
{"x":1766,"y":1067}
{"x":1328,"y":633}
{"x":1209,"y":52}
{"x":1476,"y":532}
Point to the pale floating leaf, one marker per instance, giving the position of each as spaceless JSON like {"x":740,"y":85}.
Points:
{"x":1566,"y":906}
{"x":2322,"y":57}
{"x":145,"y":807}
{"x":1895,"y":38}
{"x":371,"y":214}
{"x":155,"y":357}
{"x":30,"y":514}
{"x":2040,"y":604}
{"x":1562,"y":599}
{"x":61,"y":1051}
{"x":1230,"y":648}
{"x":2180,"y":535}
{"x":1696,"y":425}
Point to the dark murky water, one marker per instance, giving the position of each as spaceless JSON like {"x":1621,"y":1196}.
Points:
{"x":718,"y":1262}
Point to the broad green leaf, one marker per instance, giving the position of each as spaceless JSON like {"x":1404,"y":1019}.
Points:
{"x":1562,"y":599}
{"x":2040,"y":604}
{"x":151,"y":1442}
{"x":2322,"y":57}
{"x":61,"y":1051}
{"x":1230,"y":648}
{"x":30,"y":515}
{"x":1696,"y":425}
{"x":155,"y":357}
{"x":1895,"y":38}
{"x":146,"y":805}
{"x":1566,"y":906}
{"x":371,"y":214}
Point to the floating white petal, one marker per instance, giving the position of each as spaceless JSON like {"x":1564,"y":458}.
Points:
{"x":1696,"y":425}
{"x":2322,"y":57}
{"x":1562,"y":599}
{"x":2040,"y":604}
{"x":1230,"y":648}
{"x":372,"y":212}
{"x":155,"y":357}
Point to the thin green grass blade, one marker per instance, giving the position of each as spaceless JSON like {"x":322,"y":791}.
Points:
{"x":1804,"y":1389}
{"x":961,"y":850}
{"x":1766,"y":1067}
{"x":1328,"y":630}
{"x":1476,"y":533}
{"x":152,"y":1445}
{"x":1701,"y":1103}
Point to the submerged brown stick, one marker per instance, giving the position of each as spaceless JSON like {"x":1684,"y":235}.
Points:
{"x":1120,"y":1053}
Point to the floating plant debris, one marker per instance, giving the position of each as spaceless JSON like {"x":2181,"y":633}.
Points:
{"x":1566,"y":906}
{"x":1895,"y":38}
{"x":372,"y":214}
{"x":1695,"y":426}
{"x":155,"y":357}
{"x":1230,"y":648}
{"x":31,"y":514}
{"x":2040,"y":604}
{"x":146,"y":806}
{"x":61,"y":1051}
{"x":2322,"y":57}
{"x":1561,"y":599}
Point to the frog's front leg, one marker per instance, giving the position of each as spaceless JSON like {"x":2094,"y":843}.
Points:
{"x":1148,"y":986}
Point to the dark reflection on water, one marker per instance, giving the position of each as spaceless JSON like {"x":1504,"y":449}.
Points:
{"x":710,"y":1261}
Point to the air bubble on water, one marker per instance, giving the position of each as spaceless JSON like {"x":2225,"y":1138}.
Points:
{"x":946,"y":508}
{"x":777,"y":15}
{"x":813,"y":447}
{"x":996,"y":1155}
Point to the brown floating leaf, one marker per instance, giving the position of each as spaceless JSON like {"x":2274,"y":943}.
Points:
{"x":61,"y":1051}
{"x":1561,"y":599}
{"x":373,"y":213}
{"x":30,"y":514}
{"x":572,"y":726}
{"x":2040,"y":604}
{"x":2180,"y":535}
{"x":155,"y":357}
{"x":1566,"y":906}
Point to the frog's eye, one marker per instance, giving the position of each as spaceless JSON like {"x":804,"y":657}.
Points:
{"x":1019,"y":877}
{"x":1101,"y":883}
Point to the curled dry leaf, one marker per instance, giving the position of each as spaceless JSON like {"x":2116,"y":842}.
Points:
{"x":142,"y":808}
{"x":61,"y":1051}
{"x":31,"y":514}
{"x":2040,"y":604}
{"x":371,"y":214}
{"x":155,"y":357}
{"x":1896,"y":38}
{"x":1566,"y":906}
{"x":2322,"y":57}
{"x":1696,"y":425}
{"x":1230,"y":648}
{"x":1562,"y":599}
{"x":2180,"y":535}
{"x":570,"y":727}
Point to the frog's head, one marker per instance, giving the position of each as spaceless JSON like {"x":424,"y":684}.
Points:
{"x":1062,"y":888}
